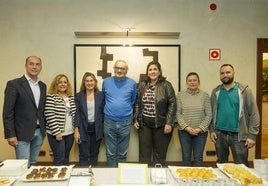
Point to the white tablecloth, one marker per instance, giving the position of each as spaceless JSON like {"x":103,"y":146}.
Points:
{"x":108,"y":177}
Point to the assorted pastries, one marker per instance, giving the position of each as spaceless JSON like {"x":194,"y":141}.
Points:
{"x":47,"y":173}
{"x":4,"y":181}
{"x":242,"y":173}
{"x":195,"y":173}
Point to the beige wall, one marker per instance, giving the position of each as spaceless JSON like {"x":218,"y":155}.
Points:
{"x":46,"y":28}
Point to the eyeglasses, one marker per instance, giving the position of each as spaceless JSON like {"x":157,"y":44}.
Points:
{"x":119,"y":68}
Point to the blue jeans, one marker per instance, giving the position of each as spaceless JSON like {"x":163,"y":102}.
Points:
{"x":116,"y":134}
{"x":192,"y":145}
{"x":238,"y":148}
{"x":30,"y":150}
{"x":61,"y":149}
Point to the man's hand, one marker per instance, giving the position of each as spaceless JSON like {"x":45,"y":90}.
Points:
{"x":136,"y":125}
{"x":249,"y":143}
{"x":13,"y":141}
{"x":213,"y":137}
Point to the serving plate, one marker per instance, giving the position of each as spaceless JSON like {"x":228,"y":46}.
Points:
{"x":11,"y":180}
{"x":80,"y":180}
{"x":193,"y":173}
{"x":240,"y":173}
{"x":46,"y":170}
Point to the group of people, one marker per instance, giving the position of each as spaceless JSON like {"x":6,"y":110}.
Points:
{"x":230,"y":115}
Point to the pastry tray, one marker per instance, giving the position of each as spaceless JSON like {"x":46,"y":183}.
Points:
{"x":11,"y":180}
{"x":68,"y":170}
{"x":221,"y":168}
{"x":173,"y":170}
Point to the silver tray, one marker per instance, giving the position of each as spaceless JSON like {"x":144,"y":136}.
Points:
{"x":221,"y":168}
{"x":11,"y":180}
{"x":55,"y":178}
{"x":173,"y":170}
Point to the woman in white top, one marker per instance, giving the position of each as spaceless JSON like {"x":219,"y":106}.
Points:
{"x":59,"y":113}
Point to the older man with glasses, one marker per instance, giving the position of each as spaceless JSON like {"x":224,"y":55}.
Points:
{"x":120,"y":95}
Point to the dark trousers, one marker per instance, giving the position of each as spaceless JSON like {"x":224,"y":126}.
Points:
{"x":89,"y":150}
{"x":226,"y":140}
{"x":153,"y":141}
{"x":61,"y":149}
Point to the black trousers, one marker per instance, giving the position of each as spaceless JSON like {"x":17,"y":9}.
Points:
{"x":153,"y":143}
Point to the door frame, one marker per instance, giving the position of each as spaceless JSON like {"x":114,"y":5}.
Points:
{"x":262,"y":47}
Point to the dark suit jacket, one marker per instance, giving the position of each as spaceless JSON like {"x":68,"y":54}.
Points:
{"x":81,"y":116}
{"x":20,"y":113}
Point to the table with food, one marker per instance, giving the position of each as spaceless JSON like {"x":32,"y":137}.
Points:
{"x":226,"y":174}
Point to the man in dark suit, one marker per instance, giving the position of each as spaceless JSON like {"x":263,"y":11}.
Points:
{"x":23,"y":112}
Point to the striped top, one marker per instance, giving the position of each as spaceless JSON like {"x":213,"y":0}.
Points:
{"x":193,"y":109}
{"x":55,"y":113}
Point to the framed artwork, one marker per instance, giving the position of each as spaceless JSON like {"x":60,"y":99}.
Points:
{"x":100,"y":58}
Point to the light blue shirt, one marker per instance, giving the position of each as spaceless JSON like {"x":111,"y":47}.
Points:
{"x":35,"y":89}
{"x":120,"y":97}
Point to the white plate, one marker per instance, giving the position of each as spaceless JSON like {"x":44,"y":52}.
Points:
{"x":11,"y":180}
{"x":173,"y":170}
{"x":79,"y":180}
{"x":221,"y":165}
{"x":55,"y":178}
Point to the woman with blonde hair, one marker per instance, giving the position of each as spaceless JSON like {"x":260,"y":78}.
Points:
{"x":89,"y":120}
{"x":60,"y":112}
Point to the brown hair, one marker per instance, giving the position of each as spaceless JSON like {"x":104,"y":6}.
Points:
{"x":26,"y":60}
{"x":83,"y":87}
{"x":53,"y":89}
{"x":192,"y":74}
{"x":158,"y":65}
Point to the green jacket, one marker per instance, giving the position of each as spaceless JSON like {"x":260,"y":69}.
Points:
{"x":249,"y":118}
